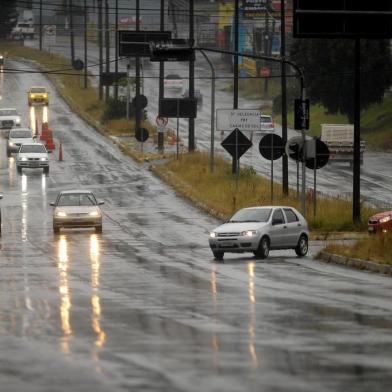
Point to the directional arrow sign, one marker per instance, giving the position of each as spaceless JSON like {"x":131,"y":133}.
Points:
{"x":271,"y":146}
{"x":236,"y":144}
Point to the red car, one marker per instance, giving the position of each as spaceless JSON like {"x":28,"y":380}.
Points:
{"x":380,"y":222}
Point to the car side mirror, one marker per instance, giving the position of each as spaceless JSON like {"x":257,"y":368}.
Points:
{"x":100,"y":203}
{"x":52,"y":203}
{"x":277,"y":222}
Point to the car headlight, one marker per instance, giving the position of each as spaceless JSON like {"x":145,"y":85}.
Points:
{"x":94,"y":213}
{"x":385,"y":219}
{"x":23,"y":159}
{"x":249,"y":233}
{"x":17,"y":120}
{"x":61,"y":214}
{"x":212,"y":234}
{"x":44,"y":159}
{"x":11,"y":144}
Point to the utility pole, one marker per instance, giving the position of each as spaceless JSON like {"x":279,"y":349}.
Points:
{"x":236,"y":49}
{"x":116,"y":52}
{"x":285,"y":163}
{"x":40,"y":24}
{"x":137,"y":110}
{"x":357,"y":136}
{"x":100,"y":48}
{"x":107,"y":47}
{"x":191,"y":140}
{"x":85,"y":43}
{"x":71,"y":27}
{"x":161,"y":135}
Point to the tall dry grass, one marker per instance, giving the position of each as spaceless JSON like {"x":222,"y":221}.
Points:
{"x":222,"y":192}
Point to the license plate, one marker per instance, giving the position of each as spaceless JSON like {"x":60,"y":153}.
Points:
{"x":370,"y":228}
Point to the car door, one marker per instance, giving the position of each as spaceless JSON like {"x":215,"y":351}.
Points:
{"x":294,"y":227}
{"x":277,"y":230}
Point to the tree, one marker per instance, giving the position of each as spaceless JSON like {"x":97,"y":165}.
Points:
{"x":329,"y":72}
{"x":8,"y":17}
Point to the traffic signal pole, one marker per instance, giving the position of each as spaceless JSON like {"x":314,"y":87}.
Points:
{"x":161,"y":135}
{"x":191,"y":140}
{"x":285,"y":160}
{"x":138,"y":111}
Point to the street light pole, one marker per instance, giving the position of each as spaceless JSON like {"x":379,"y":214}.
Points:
{"x":191,"y":141}
{"x":107,"y":47}
{"x":116,"y":52}
{"x":100,"y":48}
{"x":40,"y":24}
{"x":161,"y":135}
{"x":71,"y":27}
{"x":85,"y":44}
{"x":212,"y":110}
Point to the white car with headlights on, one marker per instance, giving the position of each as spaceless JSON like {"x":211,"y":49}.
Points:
{"x":76,"y":208}
{"x":259,"y":230}
{"x":32,"y":156}
{"x":17,"y":137}
{"x":9,"y":117}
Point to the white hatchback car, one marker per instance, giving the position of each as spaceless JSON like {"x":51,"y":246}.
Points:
{"x":259,"y":230}
{"x":32,"y":156}
{"x":9,"y":117}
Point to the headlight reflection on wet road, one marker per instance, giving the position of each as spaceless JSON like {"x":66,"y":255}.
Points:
{"x":24,"y":207}
{"x":252,"y":303}
{"x":95,"y":298}
{"x":32,"y":118}
{"x":65,"y":297}
{"x":214,"y":291}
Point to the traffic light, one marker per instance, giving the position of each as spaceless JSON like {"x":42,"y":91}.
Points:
{"x":173,"y":50}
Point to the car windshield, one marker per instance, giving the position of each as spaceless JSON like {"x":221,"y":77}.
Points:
{"x":252,"y":215}
{"x":77,"y":199}
{"x":33,"y":148}
{"x":8,"y":112}
{"x":265,"y":119}
{"x":20,"y":134}
{"x":38,"y":90}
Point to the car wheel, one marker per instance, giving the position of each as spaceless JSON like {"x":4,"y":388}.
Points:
{"x":19,"y":170}
{"x":56,"y":230}
{"x":218,"y":255}
{"x":98,"y":229}
{"x":262,"y":251}
{"x":46,"y":170}
{"x":302,"y":247}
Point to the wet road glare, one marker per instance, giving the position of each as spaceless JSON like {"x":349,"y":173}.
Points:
{"x":144,"y":307}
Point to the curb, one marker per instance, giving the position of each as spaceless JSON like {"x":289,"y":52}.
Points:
{"x":359,"y":264}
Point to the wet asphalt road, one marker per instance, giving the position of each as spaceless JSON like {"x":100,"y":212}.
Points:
{"x":144,"y":307}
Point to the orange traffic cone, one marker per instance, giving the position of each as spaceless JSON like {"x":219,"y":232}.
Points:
{"x":61,"y":152}
{"x":49,"y":140}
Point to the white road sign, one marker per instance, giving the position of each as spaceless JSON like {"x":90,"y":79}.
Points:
{"x":243,"y":119}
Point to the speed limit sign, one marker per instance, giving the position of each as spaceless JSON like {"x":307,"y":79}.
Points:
{"x":161,"y":121}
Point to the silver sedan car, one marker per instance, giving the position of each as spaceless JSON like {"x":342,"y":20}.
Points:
{"x":77,"y":208}
{"x":259,"y":230}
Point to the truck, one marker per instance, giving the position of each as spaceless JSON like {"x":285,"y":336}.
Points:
{"x":340,"y":141}
{"x":23,"y":30}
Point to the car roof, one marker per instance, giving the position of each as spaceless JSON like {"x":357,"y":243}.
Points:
{"x":265,"y":115}
{"x":33,"y":144}
{"x":37,"y":87}
{"x":75,"y":191}
{"x":8,"y":109}
{"x":21,"y":129}
{"x":261,"y":207}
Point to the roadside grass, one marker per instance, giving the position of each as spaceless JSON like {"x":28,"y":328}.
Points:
{"x":376,"y":248}
{"x":221,"y":193}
